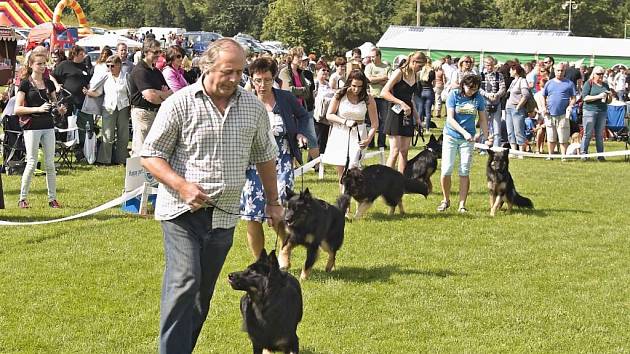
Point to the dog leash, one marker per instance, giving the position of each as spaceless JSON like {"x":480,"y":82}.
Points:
{"x":347,"y":166}
{"x":419,"y":133}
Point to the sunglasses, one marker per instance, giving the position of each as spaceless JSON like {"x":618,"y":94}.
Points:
{"x":546,"y":62}
{"x":599,"y":74}
{"x":467,"y":61}
{"x":110,"y":65}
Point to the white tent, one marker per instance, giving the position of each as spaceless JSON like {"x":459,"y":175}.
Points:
{"x":111,"y":40}
{"x":365,"y":50}
{"x":506,"y":42}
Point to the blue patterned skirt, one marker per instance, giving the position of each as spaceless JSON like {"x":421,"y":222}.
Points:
{"x":253,"y":197}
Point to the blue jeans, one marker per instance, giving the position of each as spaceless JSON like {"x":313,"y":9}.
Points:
{"x":308,"y":130}
{"x":593,"y":120}
{"x":494,"y":123}
{"x":195,"y":253}
{"x":424,"y":105}
{"x":382,"y":107}
{"x":621,"y":95}
{"x":515,"y":124}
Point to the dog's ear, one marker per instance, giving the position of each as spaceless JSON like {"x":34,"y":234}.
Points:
{"x":272,"y":261}
{"x":307,"y":194}
{"x":289,"y":192}
{"x":490,"y":152}
{"x":441,"y":138}
{"x":263,"y":256}
{"x":432,"y":139}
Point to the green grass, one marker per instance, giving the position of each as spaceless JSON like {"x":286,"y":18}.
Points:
{"x":555,"y":279}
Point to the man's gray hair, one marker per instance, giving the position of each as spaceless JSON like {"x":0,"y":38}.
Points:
{"x":210,"y":56}
{"x":149,"y":44}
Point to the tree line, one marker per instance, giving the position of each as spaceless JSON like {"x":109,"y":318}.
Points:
{"x":335,"y":26}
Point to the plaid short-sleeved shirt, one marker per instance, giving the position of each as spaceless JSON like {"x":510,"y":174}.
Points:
{"x":209,"y":149}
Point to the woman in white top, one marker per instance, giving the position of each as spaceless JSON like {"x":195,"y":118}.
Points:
{"x":115,"y":115}
{"x":346,"y":113}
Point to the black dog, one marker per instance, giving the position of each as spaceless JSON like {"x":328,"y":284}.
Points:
{"x":378,"y":181}
{"x":501,"y":184}
{"x":272,"y":305}
{"x":312,"y":223}
{"x":423,"y":165}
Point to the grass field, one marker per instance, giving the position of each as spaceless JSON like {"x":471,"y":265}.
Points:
{"x":554,"y":279}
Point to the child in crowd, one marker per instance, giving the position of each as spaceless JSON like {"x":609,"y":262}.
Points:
{"x":574,"y":147}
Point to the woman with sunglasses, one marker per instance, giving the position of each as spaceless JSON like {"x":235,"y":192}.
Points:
{"x":465,"y":67}
{"x":596,"y":95}
{"x":33,"y":103}
{"x":285,"y":113}
{"x":462,"y":105}
{"x":116,"y":112}
{"x":173,"y":71}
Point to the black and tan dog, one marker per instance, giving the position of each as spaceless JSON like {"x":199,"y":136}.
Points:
{"x":423,"y":165}
{"x":501,"y":184}
{"x":312,"y":223}
{"x":374,"y":181}
{"x":272,"y":305}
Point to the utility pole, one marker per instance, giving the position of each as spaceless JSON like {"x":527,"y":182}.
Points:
{"x":418,"y":13}
{"x":572,"y":5}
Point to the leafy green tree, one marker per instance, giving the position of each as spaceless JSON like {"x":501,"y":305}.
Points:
{"x":292,"y":22}
{"x":230,"y":17}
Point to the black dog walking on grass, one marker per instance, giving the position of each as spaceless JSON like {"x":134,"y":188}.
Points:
{"x":423,"y":165}
{"x":501,"y":184}
{"x":272,"y":305}
{"x":312,"y":223}
{"x":374,"y":181}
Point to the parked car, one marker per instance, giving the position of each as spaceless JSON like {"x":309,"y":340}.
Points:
{"x":198,"y":41}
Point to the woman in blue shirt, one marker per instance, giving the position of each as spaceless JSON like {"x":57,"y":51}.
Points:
{"x":462,"y":106}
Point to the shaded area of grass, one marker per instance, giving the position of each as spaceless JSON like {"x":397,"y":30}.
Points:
{"x":554,"y":279}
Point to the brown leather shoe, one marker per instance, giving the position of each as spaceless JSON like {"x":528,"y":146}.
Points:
{"x":54,"y":204}
{"x":23,"y":204}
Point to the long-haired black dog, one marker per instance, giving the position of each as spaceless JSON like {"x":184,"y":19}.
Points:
{"x":377,"y":181}
{"x":312,"y":223}
{"x":501,"y":184}
{"x":271,"y":306}
{"x":423,"y":165}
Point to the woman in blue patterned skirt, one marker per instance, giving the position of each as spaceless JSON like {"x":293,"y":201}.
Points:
{"x":284,"y":113}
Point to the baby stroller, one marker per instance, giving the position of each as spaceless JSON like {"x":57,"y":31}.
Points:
{"x":13,"y":149}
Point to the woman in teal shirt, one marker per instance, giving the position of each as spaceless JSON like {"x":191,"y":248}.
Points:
{"x":595,"y":94}
{"x":462,"y":106}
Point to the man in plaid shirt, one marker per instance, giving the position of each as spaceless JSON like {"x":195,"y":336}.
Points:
{"x":199,"y":146}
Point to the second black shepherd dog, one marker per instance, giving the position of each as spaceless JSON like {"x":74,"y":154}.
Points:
{"x":378,"y":181}
{"x":272,"y":305}
{"x":312,"y":223}
{"x":423,"y":165}
{"x":501,"y":184}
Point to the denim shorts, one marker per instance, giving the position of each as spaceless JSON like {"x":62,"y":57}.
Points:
{"x":451,"y":147}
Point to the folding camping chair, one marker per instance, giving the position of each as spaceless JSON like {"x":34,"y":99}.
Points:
{"x":616,"y":122}
{"x":13,"y":149}
{"x":66,"y":140}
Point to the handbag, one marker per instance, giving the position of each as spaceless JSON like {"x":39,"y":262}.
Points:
{"x":25,"y":121}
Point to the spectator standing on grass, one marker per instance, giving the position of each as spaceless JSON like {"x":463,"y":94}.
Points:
{"x":284,"y":113}
{"x":123,"y":52}
{"x":462,"y":106}
{"x":596,"y":94}
{"x":355,"y":62}
{"x":424,"y":94}
{"x":173,"y":71}
{"x":147,"y":89}
{"x":34,"y":99}
{"x":115,"y":112}
{"x":75,"y":77}
{"x":377,"y":72}
{"x":294,"y":80}
{"x":492,"y":90}
{"x":559,"y":94}
{"x":620,"y":83}
{"x":338,"y":78}
{"x":323,"y":93}
{"x":210,"y":126}
{"x":438,"y":88}
{"x":515,"y":109}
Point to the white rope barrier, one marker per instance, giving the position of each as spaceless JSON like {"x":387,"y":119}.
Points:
{"x":113,"y":203}
{"x":554,"y":156}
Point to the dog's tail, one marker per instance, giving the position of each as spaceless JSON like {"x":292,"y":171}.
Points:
{"x":414,"y":185}
{"x":343,"y":202}
{"x":522,"y":202}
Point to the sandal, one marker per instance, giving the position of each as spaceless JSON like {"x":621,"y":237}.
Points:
{"x":443,"y":206}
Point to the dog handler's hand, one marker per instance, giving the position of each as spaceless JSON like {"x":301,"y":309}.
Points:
{"x":275,"y":212}
{"x":193,"y":195}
